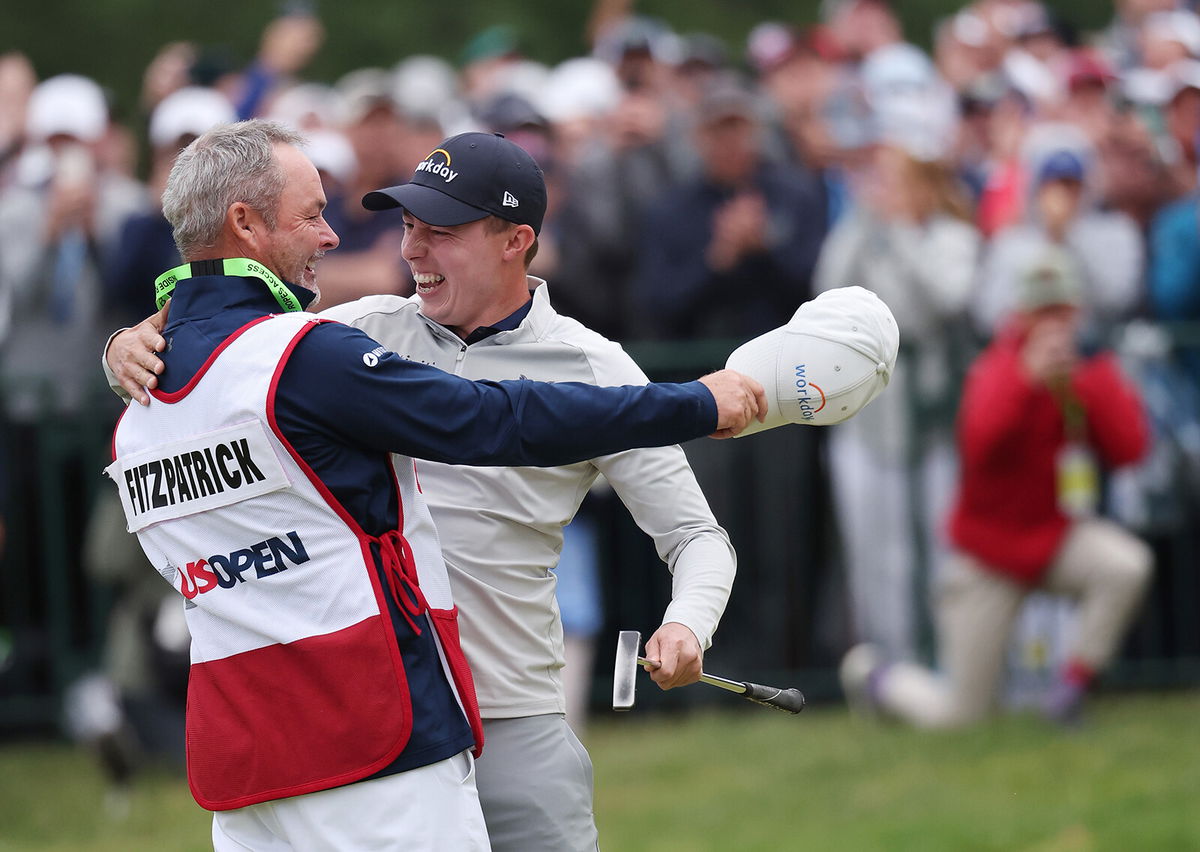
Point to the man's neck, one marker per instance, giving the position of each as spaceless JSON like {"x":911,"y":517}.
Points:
{"x":513,"y":300}
{"x":497,"y":319}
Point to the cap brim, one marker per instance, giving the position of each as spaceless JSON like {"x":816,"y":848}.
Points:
{"x":427,"y":204}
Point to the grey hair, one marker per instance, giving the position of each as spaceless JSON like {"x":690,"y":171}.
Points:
{"x":230,"y":163}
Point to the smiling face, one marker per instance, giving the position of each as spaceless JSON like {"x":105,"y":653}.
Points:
{"x":467,"y":275}
{"x":301,"y":236}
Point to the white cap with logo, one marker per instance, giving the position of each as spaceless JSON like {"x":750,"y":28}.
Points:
{"x":834,"y":356}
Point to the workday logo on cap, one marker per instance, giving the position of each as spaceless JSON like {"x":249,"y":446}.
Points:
{"x":437,"y":162}
{"x":468,"y":177}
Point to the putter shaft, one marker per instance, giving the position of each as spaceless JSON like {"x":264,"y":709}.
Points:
{"x":711,"y":680}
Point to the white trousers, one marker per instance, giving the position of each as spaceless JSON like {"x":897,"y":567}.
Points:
{"x":874,"y":502}
{"x":434,"y":808}
{"x":1100,"y":566}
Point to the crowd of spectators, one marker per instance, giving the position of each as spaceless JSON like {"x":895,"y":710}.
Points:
{"x":697,"y":189}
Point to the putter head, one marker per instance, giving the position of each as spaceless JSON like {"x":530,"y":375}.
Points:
{"x":625,"y":669}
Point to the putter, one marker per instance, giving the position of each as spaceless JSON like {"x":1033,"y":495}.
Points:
{"x":625,"y":680}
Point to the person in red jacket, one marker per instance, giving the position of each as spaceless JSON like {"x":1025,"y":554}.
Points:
{"x":1039,"y":420}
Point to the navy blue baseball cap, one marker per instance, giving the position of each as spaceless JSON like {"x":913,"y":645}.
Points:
{"x":1062,"y":165}
{"x":466,"y":178}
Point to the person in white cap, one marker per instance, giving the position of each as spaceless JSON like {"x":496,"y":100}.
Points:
{"x":889,"y":472}
{"x":1039,"y":419}
{"x":60,"y":220}
{"x":146,"y":246}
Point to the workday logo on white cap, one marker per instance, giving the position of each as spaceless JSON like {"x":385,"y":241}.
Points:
{"x":834,"y":356}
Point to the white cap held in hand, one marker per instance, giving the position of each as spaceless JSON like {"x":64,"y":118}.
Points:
{"x":834,"y":356}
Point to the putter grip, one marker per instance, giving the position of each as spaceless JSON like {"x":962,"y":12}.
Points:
{"x":788,"y":700}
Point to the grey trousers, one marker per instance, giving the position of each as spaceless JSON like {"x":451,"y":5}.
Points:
{"x":1101,"y":566}
{"x":535,"y":786}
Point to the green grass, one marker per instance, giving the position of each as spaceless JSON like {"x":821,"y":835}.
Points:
{"x":757,"y":780}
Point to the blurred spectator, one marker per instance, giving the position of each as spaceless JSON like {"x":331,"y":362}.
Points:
{"x":17,"y":79}
{"x":731,"y":253}
{"x":580,"y":99}
{"x":614,"y":156}
{"x":1173,"y":278}
{"x":813,"y":103}
{"x":1039,"y":417}
{"x":306,"y":107}
{"x":1131,"y":175}
{"x":1121,"y":41}
{"x":1006,"y":117}
{"x":859,"y":27}
{"x":909,"y":239}
{"x":1167,"y":39}
{"x":1181,"y":124}
{"x":910,"y":104}
{"x":640,"y":50}
{"x":131,"y":711}
{"x":485,"y":60}
{"x":964,"y":50}
{"x":1089,"y":99}
{"x":1063,"y":211}
{"x":1174,"y":273}
{"x":288,"y":44}
{"x":60,"y":220}
{"x":426,"y":91}
{"x":1035,"y":57}
{"x":1137,"y":181}
{"x":168,"y":71}
{"x":146,"y":248}
{"x":702,"y":58}
{"x":368,"y":260}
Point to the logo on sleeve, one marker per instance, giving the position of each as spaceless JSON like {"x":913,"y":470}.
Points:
{"x":371,"y":359}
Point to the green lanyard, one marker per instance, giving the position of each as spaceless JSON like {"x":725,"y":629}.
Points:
{"x":164,"y":285}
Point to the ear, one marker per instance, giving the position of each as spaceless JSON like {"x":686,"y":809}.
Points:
{"x":519,"y":240}
{"x":245,"y":227}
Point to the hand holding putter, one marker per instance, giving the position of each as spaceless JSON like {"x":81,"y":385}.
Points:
{"x":625,"y":680}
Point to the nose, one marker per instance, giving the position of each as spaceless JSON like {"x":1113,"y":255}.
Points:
{"x":411,"y":246}
{"x":329,"y":238}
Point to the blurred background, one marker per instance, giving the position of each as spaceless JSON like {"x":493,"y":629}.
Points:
{"x":710,"y":166}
